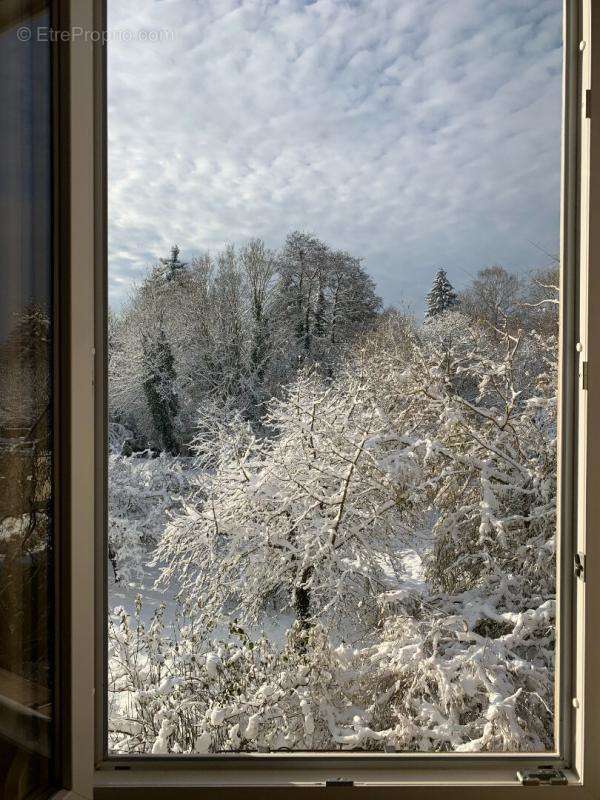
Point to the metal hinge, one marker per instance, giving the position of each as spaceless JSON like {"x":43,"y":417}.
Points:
{"x":579,"y":565}
{"x":338,"y":782}
{"x":584,"y":375}
{"x":548,"y":775}
{"x":588,"y":103}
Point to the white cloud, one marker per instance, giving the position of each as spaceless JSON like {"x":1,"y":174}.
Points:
{"x":414,"y":133}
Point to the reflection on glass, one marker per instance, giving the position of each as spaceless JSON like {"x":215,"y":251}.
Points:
{"x":332,"y":417}
{"x":26,"y":460}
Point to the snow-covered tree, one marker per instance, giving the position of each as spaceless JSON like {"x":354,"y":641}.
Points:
{"x":258,"y":264}
{"x":352,"y":303}
{"x":442,"y":296}
{"x":302,"y":268}
{"x":484,"y":407}
{"x":311,"y":515}
{"x":491,"y":461}
{"x":493,"y":298}
{"x":238,"y":325}
{"x":159,"y":387}
{"x":142,"y":492}
{"x":539,"y":302}
{"x":172,"y":265}
{"x":309,"y":519}
{"x":326,"y":294}
{"x":437,"y":440}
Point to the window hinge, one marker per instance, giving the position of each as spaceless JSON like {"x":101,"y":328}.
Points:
{"x":547,"y":775}
{"x":338,"y":782}
{"x":584,"y":375}
{"x":588,"y":103}
{"x":579,"y":565}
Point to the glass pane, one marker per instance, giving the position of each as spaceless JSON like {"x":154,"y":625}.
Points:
{"x":26,"y":460}
{"x":333,"y":277}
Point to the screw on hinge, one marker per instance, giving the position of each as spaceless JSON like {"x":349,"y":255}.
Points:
{"x":588,"y":103}
{"x":547,"y":775}
{"x":579,"y":565}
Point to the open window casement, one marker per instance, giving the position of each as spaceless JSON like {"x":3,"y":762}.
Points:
{"x":570,"y":768}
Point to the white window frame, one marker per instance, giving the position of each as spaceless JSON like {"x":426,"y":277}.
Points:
{"x":380,"y":775}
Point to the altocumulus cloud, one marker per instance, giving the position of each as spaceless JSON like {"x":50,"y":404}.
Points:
{"x":414,"y":133}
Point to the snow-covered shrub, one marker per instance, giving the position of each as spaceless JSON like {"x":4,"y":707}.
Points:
{"x":480,"y":410}
{"x":463,"y":676}
{"x":222,"y":434}
{"x":181,"y":692}
{"x":142,"y":492}
{"x":431,"y":683}
{"x":491,"y":467}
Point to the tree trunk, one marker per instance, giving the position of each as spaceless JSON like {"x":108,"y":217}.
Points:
{"x":302,"y":599}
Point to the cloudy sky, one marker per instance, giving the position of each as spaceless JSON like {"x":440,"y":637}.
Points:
{"x":413,"y":133}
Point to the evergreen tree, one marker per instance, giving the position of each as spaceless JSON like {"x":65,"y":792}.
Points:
{"x":442,"y":296}
{"x":172,"y":266}
{"x":159,"y":388}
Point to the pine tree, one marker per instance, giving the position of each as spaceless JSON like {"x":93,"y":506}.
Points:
{"x":172,"y":265}
{"x":442,"y":296}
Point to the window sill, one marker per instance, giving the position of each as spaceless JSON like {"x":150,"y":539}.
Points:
{"x":468,"y":783}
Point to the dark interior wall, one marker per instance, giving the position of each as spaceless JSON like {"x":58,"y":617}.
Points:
{"x":25,"y":168}
{"x":26,"y":399}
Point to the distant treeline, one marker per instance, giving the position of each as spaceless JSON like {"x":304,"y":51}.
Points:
{"x":231,"y":330}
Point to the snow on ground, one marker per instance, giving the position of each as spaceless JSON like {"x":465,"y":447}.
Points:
{"x":124,"y":594}
{"x":412,"y":563}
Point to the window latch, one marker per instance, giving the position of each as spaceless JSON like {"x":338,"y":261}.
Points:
{"x":542,"y":775}
{"x":338,"y":782}
{"x":579,"y":565}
